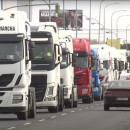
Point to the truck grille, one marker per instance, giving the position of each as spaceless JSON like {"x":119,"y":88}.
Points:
{"x":6,"y":79}
{"x":39,"y":82}
{"x":77,"y":79}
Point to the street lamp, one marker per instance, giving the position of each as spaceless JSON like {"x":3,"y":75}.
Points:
{"x":104,"y":17}
{"x":126,"y":35}
{"x":49,"y":8}
{"x":117,"y":24}
{"x":99,"y":20}
{"x":87,"y":18}
{"x":111,"y":21}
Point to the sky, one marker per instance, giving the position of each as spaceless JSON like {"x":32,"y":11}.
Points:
{"x":112,"y":6}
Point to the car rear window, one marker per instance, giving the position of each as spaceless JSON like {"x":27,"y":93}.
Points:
{"x":120,"y":84}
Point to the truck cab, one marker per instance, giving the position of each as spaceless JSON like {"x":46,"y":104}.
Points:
{"x":46,"y":66}
{"x":16,"y":53}
{"x":97,"y":90}
{"x":82,"y":70}
{"x":67,"y":69}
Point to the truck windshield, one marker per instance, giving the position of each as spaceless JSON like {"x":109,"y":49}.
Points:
{"x":94,"y":63}
{"x":106,"y":64}
{"x":64,"y":62}
{"x":81,"y":62}
{"x":11,"y":52}
{"x":43,"y":53}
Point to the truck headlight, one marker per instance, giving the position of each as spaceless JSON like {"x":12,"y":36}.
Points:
{"x":95,"y":89}
{"x":50,"y":91}
{"x":84,"y":90}
{"x":17,"y":99}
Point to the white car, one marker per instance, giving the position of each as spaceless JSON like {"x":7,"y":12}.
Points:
{"x":125,"y":76}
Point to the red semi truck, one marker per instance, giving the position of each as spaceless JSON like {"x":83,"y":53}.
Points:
{"x":82,"y":70}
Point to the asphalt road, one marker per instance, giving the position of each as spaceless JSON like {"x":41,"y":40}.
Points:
{"x":85,"y":117}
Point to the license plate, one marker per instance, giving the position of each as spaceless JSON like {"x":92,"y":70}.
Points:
{"x":122,"y":98}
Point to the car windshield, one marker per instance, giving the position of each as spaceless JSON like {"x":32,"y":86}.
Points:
{"x":11,"y":52}
{"x":119,"y":84}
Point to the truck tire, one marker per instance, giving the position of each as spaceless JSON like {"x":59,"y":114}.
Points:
{"x":75,"y":104}
{"x":70,"y":103}
{"x":32,"y":111}
{"x":106,"y":107}
{"x":22,"y":115}
{"x":53,"y":109}
{"x":61,"y":105}
{"x":97,"y":98}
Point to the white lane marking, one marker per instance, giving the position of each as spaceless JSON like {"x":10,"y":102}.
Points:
{"x":91,"y":106}
{"x":28,"y":123}
{"x":11,"y":128}
{"x":53,"y":117}
{"x":41,"y":120}
{"x":102,"y":103}
{"x":97,"y":104}
{"x":86,"y":108}
{"x":72,"y":111}
{"x":63,"y":114}
{"x":80,"y":109}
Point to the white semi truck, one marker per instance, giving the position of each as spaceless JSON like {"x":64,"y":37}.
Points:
{"x":67,"y":69}
{"x":46,"y":66}
{"x":16,"y":53}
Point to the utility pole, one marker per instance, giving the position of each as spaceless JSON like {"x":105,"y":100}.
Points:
{"x":1,"y":4}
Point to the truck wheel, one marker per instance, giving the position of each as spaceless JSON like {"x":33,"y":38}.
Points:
{"x":106,"y":107}
{"x":97,"y":98}
{"x":53,"y":109}
{"x":75,"y":104}
{"x":22,"y":115}
{"x":70,"y":103}
{"x":32,"y":111}
{"x":85,"y":100}
{"x":61,"y":105}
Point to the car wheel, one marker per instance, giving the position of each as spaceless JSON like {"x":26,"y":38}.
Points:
{"x":106,"y":107}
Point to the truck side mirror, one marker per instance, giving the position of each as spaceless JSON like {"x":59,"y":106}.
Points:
{"x":73,"y":60}
{"x":126,"y":66}
{"x":31,"y":49}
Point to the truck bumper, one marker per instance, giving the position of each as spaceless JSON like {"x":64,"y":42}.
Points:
{"x":46,"y":104}
{"x":12,"y":109}
{"x":82,"y":89}
{"x":84,"y":97}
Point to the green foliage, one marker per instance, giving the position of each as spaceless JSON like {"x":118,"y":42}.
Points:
{"x":123,"y":46}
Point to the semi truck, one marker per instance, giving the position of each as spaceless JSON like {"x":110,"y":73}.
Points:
{"x":67,"y":69}
{"x":97,"y":89}
{"x":82,"y":70}
{"x":46,"y":67}
{"x":16,"y":53}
